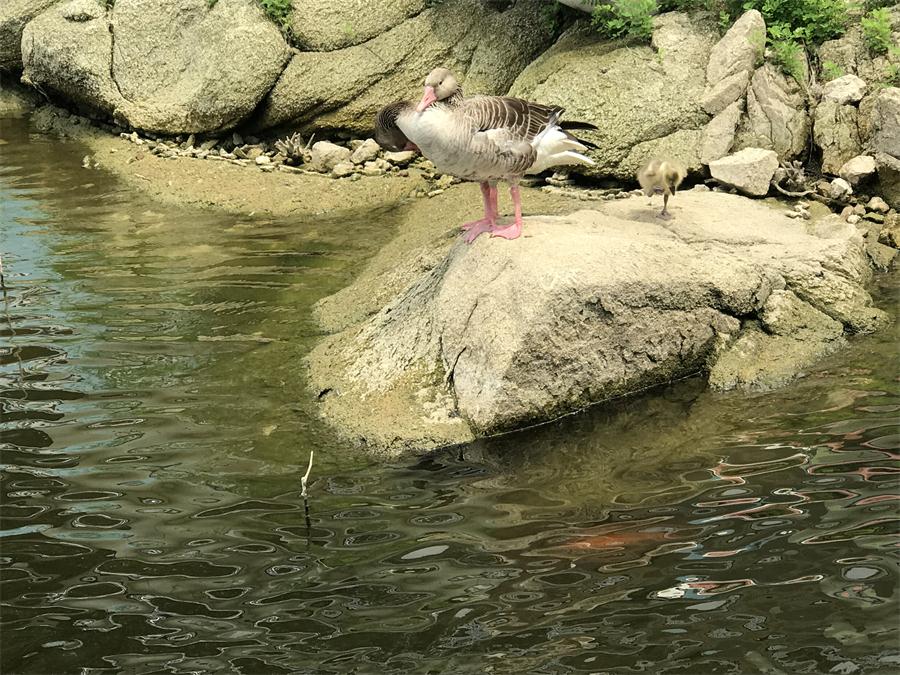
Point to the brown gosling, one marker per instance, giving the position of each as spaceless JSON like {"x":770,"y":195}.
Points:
{"x":661,"y":177}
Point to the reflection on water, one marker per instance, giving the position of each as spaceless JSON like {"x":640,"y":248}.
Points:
{"x":155,"y":427}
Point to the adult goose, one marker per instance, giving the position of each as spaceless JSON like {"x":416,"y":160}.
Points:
{"x":484,"y":139}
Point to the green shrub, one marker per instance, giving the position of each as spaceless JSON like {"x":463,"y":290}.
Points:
{"x":277,"y":10}
{"x":876,"y":27}
{"x":810,"y":21}
{"x":831,"y":71}
{"x":625,"y":18}
{"x":787,"y":53}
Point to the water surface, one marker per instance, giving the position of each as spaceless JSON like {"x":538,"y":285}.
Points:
{"x":155,"y":426}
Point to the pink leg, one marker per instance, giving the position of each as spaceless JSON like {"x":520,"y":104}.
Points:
{"x":514,"y":230}
{"x":489,"y":222}
{"x":490,"y":213}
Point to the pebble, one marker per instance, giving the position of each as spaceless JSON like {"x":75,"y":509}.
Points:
{"x":878,"y":205}
{"x":402,"y":158}
{"x":343,"y":169}
{"x":874,"y":217}
{"x":372,"y":169}
{"x":366,"y":152}
{"x":237,"y":139}
{"x":263,"y":160}
{"x":434,"y":193}
{"x":210,"y":144}
{"x":853,"y":219}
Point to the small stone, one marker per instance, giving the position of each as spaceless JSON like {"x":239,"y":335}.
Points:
{"x":343,"y":169}
{"x":859,"y":210}
{"x":749,"y":170}
{"x":846,"y":211}
{"x":856,"y":170}
{"x":237,"y":139}
{"x":290,"y":169}
{"x":792,"y":214}
{"x":267,"y":168}
{"x":253,"y":151}
{"x":401,"y":158}
{"x":189,"y":143}
{"x":325,"y":156}
{"x":878,"y":204}
{"x":889,"y":234}
{"x":209,"y":144}
{"x":699,"y":187}
{"x":372,"y":169}
{"x":355,"y":143}
{"x":874,"y":217}
{"x":240,"y":153}
{"x":853,"y":219}
{"x":262,"y":160}
{"x":839,"y":189}
{"x":366,"y":152}
{"x":434,"y":193}
{"x":444,"y":181}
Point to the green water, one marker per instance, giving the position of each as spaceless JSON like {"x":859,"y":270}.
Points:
{"x":155,"y":426}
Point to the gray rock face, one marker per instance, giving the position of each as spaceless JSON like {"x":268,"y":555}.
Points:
{"x":857,"y":169}
{"x":889,"y":178}
{"x":851,"y":54}
{"x":791,"y":336}
{"x":727,"y":91}
{"x":749,"y":170}
{"x":739,"y":49}
{"x":845,"y":89}
{"x":588,"y":306}
{"x":14,"y":14}
{"x":776,"y":114}
{"x":886,"y":121}
{"x":644,"y":102}
{"x":718,"y":136}
{"x":344,"y":88}
{"x":326,"y":25}
{"x":162,"y":65}
{"x":835,"y":130}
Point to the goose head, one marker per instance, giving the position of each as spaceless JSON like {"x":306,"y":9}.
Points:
{"x":440,"y":84}
{"x":387,"y":133}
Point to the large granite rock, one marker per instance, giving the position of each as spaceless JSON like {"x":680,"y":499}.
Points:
{"x":889,"y":178}
{"x":499,"y":335}
{"x":850,"y":54}
{"x":170,"y":66}
{"x":645,"y":100}
{"x":835,"y":130}
{"x":14,"y":14}
{"x":718,"y":136}
{"x":885,"y":122}
{"x":344,"y":88}
{"x":776,"y":114}
{"x":732,"y":60}
{"x":845,"y":89}
{"x":326,"y":25}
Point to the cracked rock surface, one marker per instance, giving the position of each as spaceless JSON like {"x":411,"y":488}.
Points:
{"x":160,"y":65}
{"x":585,"y":307}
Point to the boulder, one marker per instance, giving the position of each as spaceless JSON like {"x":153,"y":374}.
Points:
{"x":885,"y":121}
{"x":14,"y":14}
{"x":791,"y":336}
{"x":325,"y":156}
{"x":858,"y":169}
{"x":845,"y":89}
{"x":344,"y":88}
{"x":888,"y":168}
{"x":749,"y":170}
{"x":836,"y":132}
{"x":739,"y":50}
{"x":171,"y":66}
{"x":499,"y":335}
{"x":327,"y":25}
{"x":776,"y":114}
{"x":645,"y":100}
{"x":718,"y":136}
{"x":727,"y":91}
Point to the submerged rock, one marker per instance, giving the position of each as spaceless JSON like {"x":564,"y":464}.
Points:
{"x":498,"y":335}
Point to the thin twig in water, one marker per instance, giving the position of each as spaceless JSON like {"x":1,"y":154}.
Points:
{"x":305,"y":477}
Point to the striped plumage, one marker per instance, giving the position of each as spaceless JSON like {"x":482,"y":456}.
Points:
{"x":482,"y":138}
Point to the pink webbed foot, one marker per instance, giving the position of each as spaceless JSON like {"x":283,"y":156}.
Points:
{"x":477,"y":228}
{"x":475,"y":223}
{"x":509,"y":232}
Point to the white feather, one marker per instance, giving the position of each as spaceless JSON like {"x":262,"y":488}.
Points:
{"x":555,"y":148}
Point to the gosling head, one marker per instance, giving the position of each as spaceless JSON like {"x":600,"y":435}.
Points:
{"x":440,"y":84}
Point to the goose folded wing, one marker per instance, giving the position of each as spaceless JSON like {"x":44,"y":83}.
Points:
{"x":521,"y":119}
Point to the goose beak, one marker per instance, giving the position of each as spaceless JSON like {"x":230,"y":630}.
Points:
{"x":427,"y":99}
